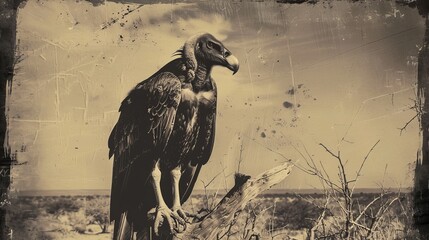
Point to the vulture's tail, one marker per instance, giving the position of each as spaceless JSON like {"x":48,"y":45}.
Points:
{"x":123,"y":229}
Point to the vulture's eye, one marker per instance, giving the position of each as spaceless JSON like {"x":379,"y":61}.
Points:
{"x":210,"y":44}
{"x":213,"y":45}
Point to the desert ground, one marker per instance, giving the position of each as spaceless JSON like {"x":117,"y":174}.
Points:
{"x":270,"y":216}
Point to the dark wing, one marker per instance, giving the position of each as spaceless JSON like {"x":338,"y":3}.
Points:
{"x":191,"y":172}
{"x":141,"y":133}
{"x":202,"y":151}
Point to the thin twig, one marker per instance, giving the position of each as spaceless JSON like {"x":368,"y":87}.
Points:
{"x":363,"y":163}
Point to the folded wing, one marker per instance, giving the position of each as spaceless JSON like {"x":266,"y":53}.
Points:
{"x":141,"y":133}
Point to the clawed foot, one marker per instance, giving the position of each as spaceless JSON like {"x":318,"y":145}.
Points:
{"x":180,"y":214}
{"x":175,"y":219}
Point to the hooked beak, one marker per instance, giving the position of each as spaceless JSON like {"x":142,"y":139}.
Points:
{"x":232,"y":63}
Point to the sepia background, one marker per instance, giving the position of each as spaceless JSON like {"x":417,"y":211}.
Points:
{"x":336,"y":73}
{"x":339,"y":74}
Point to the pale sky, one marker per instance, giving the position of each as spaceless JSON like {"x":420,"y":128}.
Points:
{"x":352,"y":67}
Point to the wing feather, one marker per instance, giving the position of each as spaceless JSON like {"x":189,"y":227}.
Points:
{"x":141,"y":133}
{"x":191,"y":171}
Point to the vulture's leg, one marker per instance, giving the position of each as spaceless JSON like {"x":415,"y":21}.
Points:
{"x":162,"y":210}
{"x":177,"y":207}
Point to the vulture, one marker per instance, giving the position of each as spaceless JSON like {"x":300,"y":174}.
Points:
{"x":163,"y":136}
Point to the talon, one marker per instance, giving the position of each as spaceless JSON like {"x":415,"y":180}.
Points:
{"x":180,"y":218}
{"x":163,"y":214}
{"x":182,"y":214}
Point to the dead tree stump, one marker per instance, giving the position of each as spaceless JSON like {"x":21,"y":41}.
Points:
{"x":235,"y":200}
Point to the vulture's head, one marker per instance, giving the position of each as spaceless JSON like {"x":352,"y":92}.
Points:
{"x":206,"y":49}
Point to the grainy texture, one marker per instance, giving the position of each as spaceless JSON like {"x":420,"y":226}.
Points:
{"x":8,"y":10}
{"x":8,"y":38}
{"x":421,"y":187}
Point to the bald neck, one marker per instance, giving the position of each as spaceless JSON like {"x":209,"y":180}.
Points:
{"x":202,"y":78}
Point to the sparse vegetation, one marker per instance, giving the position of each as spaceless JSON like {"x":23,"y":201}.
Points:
{"x":338,"y":211}
{"x":97,"y":210}
{"x":269,"y":216}
{"x":59,"y":217}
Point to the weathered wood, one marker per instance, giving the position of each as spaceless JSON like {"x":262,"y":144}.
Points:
{"x":235,"y":200}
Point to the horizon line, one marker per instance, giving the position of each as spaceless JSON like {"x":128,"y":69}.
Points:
{"x":106,"y":191}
